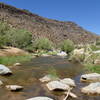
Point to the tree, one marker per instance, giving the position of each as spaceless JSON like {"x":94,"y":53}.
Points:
{"x":43,"y":43}
{"x":67,"y":46}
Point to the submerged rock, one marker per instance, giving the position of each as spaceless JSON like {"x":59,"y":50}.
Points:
{"x":17,"y":64}
{"x":48,"y":78}
{"x":40,"y":98}
{"x":68,"y":81}
{"x":93,"y":77}
{"x":14,"y":87}
{"x":57,"y":85}
{"x":93,"y":88}
{"x":4,"y":70}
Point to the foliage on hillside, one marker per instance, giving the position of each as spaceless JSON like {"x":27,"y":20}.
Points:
{"x":14,"y":37}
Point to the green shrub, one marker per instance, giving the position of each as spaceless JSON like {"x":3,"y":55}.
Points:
{"x":19,"y":38}
{"x":3,"y":30}
{"x":43,"y":43}
{"x":67,"y":46}
{"x":9,"y":36}
{"x":98,"y":42}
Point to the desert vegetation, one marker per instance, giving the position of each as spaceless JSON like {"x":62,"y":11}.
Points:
{"x":10,"y":60}
{"x":43,"y":44}
{"x":67,"y":46}
{"x":9,"y":36}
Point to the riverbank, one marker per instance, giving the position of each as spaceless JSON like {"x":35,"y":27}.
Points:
{"x":89,"y":56}
{"x":11,"y":55}
{"x":10,"y":60}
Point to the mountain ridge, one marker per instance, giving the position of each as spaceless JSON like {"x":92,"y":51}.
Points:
{"x":54,"y":30}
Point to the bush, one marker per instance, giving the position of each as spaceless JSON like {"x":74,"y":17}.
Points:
{"x":43,"y":43}
{"x":19,"y":38}
{"x":14,"y":37}
{"x":3,"y":30}
{"x":98,"y":42}
{"x":67,"y":46}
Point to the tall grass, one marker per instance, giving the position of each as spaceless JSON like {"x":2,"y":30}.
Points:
{"x":9,"y":60}
{"x":92,"y":68}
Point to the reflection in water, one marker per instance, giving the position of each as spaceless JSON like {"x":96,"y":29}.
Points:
{"x":28,"y":75}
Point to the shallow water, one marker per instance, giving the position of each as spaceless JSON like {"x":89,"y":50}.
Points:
{"x":29,"y":73}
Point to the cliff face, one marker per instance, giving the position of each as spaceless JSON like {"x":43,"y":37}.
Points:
{"x":55,"y":30}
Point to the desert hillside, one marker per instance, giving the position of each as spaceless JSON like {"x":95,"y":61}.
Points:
{"x":55,"y":30}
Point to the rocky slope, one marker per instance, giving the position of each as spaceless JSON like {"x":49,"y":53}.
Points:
{"x":55,"y":30}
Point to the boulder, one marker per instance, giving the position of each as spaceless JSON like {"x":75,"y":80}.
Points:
{"x":14,"y":87}
{"x":78,"y":51}
{"x":97,"y":61}
{"x":1,"y":83}
{"x":48,"y":78}
{"x":93,"y":88}
{"x":98,"y":51}
{"x":93,"y":77}
{"x":62,"y":54}
{"x":40,"y":98}
{"x":45,"y":55}
{"x":4,"y":70}
{"x":57,"y":85}
{"x":68,"y":81}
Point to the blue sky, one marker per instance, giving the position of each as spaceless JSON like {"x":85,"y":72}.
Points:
{"x":86,"y":13}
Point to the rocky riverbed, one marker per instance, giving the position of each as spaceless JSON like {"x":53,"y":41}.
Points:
{"x":28,"y":74}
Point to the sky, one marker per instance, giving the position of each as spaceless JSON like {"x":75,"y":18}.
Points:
{"x":85,"y":13}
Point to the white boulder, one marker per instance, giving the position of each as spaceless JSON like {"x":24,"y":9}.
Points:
{"x":14,"y":87}
{"x":78,"y":51}
{"x":68,"y":81}
{"x":57,"y":85}
{"x":93,"y":77}
{"x":93,"y":88}
{"x":40,"y":98}
{"x":62,"y":54}
{"x":4,"y":70}
{"x":98,"y":51}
